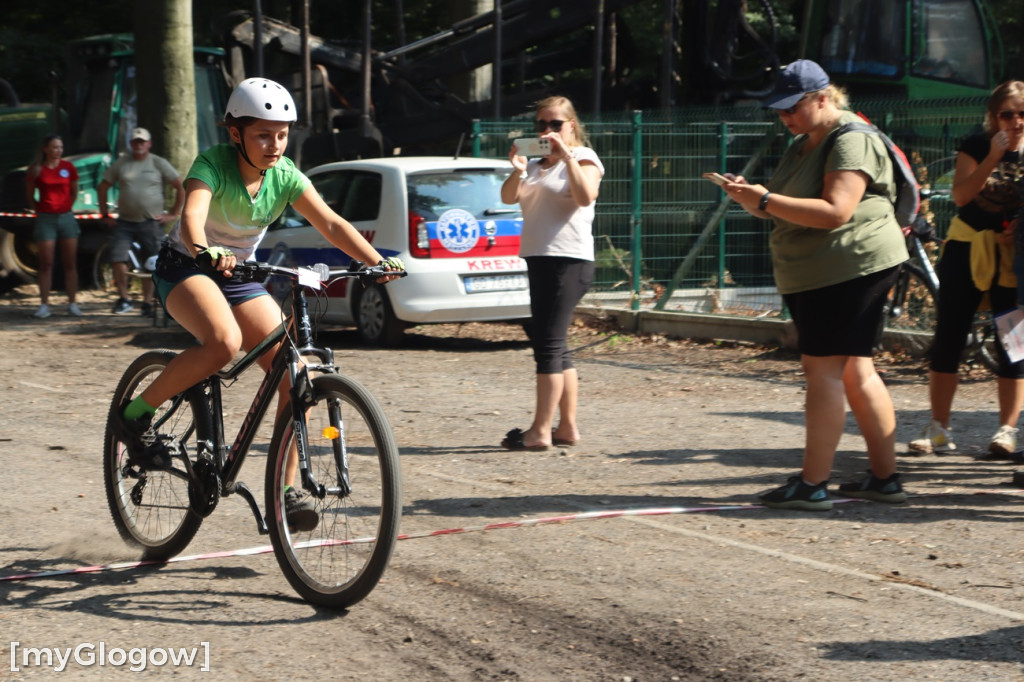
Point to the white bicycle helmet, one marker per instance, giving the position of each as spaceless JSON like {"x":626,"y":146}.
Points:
{"x":261,"y":98}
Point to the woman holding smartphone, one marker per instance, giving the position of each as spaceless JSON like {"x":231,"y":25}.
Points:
{"x":836,"y":247}
{"x":557,"y":194}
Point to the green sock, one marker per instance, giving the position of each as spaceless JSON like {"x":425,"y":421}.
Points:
{"x":137,"y":408}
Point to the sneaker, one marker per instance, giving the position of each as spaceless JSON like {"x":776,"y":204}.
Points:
{"x":1018,"y":478}
{"x":42,"y":312}
{"x":798,"y":495}
{"x":73,"y":309}
{"x":1004,"y":443}
{"x":144,"y":448}
{"x":299,"y":510}
{"x":122,"y":306}
{"x":934,"y":438}
{"x":146,"y":310}
{"x":877,"y":489}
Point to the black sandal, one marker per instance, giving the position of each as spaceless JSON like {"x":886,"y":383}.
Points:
{"x":514,"y":441}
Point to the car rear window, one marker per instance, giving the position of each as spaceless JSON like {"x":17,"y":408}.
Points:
{"x":475,"y":191}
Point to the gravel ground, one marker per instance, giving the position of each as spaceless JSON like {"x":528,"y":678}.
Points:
{"x":639,"y":554}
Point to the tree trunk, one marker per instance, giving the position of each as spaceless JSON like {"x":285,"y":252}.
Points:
{"x":165,"y":78}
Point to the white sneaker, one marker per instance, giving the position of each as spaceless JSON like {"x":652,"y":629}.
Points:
{"x":73,"y":309}
{"x":43,"y":312}
{"x":934,"y":438}
{"x":1004,"y":442}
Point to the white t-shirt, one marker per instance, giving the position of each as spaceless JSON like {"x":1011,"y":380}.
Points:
{"x":553,"y":225}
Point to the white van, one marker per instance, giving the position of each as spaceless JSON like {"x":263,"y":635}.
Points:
{"x":442,"y":216}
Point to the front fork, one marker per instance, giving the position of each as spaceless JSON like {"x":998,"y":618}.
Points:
{"x":302,"y":400}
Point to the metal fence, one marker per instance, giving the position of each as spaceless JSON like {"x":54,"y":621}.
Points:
{"x":668,"y":239}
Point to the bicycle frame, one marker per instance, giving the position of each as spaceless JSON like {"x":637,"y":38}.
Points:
{"x":915,"y":244}
{"x":287,"y":362}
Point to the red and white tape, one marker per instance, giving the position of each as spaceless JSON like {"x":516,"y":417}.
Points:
{"x":563,"y":518}
{"x":79,"y":216}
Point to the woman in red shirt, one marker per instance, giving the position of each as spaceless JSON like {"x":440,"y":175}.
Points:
{"x":57,"y":182}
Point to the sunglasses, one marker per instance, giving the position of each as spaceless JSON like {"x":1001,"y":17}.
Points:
{"x":792,"y":110}
{"x":1009,"y":115}
{"x":541,"y":125}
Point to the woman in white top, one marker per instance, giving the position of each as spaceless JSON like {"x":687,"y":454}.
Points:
{"x":557,"y":194}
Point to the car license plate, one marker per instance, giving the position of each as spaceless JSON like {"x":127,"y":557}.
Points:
{"x":478,"y":285}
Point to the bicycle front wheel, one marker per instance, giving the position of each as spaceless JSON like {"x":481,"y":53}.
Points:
{"x":151,"y":508}
{"x":910,"y":311}
{"x":354,"y":459}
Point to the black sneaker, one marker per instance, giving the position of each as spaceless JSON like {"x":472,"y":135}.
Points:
{"x":877,"y":489}
{"x":798,"y":495}
{"x":122,"y":306}
{"x":300,"y":511}
{"x":146,"y":310}
{"x":1018,"y":478}
{"x":144,"y":449}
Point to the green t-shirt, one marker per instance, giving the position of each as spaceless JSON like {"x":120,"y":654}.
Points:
{"x":236,"y":220}
{"x":806,"y":258}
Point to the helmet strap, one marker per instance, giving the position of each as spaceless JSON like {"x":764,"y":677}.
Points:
{"x":240,"y":146}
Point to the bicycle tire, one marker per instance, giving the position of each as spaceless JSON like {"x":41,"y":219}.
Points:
{"x":151,"y":509}
{"x":910,"y":311}
{"x":339,"y":562}
{"x":981,"y":343}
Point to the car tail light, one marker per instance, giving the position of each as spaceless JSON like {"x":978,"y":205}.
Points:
{"x":419,"y":239}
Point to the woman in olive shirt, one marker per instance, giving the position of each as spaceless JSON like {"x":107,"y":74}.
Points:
{"x":836,"y":248}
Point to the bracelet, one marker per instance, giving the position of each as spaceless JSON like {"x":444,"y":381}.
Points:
{"x":763,"y":205}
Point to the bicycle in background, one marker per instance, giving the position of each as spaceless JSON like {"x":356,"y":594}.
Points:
{"x":910,"y":309}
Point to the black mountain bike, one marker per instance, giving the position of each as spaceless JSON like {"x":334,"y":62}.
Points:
{"x":347,"y":457}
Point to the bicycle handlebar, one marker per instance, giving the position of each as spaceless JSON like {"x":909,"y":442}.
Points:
{"x":253,"y":271}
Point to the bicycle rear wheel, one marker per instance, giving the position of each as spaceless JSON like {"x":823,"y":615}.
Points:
{"x":339,"y":562}
{"x":981,"y":343}
{"x":151,"y":508}
{"x":910,"y":311}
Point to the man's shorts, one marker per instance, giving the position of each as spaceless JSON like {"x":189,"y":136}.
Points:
{"x":52,"y":226}
{"x":148,"y":234}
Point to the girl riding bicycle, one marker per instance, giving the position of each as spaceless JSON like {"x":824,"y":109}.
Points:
{"x":232,"y":193}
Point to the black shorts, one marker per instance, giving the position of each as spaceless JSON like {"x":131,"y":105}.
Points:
{"x":841,"y":319}
{"x":172,"y":268}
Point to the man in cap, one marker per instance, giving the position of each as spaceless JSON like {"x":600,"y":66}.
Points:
{"x":140,"y":177}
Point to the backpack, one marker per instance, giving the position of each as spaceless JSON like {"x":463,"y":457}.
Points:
{"x":908,"y":193}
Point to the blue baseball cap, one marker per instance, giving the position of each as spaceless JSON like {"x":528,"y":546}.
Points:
{"x":794,"y":81}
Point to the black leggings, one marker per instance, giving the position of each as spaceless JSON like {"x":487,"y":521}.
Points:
{"x":556,"y":285}
{"x":958,"y":302}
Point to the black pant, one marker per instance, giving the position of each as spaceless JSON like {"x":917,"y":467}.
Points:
{"x":958,"y":302}
{"x":556,"y":285}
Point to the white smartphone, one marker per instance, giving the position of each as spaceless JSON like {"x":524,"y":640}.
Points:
{"x":533,"y":146}
{"x":716,"y":178}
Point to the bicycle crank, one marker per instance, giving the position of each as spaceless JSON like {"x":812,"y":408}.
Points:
{"x":204,"y":489}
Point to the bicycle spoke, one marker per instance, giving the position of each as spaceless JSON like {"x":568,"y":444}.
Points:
{"x":151,"y":509}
